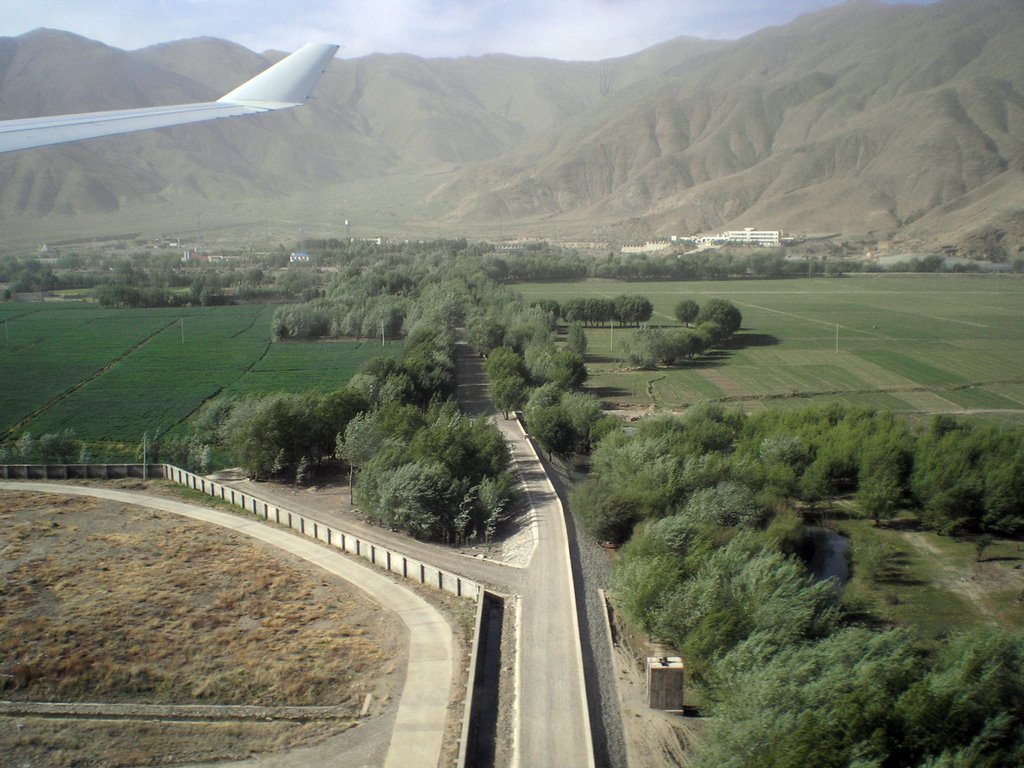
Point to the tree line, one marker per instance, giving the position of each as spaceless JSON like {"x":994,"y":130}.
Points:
{"x":550,"y":263}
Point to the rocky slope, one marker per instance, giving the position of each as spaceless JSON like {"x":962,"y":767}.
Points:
{"x":869,"y":119}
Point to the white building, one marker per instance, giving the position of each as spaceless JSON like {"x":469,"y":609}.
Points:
{"x":767,"y":238}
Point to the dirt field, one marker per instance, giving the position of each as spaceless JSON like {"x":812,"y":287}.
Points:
{"x":113,"y":604}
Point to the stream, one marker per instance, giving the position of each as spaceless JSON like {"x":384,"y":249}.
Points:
{"x":830,"y":555}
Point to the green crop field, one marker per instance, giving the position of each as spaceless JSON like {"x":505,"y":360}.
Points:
{"x":112,"y":375}
{"x":914,"y":343}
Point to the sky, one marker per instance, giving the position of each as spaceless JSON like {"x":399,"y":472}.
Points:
{"x":560,"y":29}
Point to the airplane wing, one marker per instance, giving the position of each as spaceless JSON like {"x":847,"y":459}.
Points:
{"x":288,"y":83}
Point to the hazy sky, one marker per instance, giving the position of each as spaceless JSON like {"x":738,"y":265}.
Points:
{"x":564,"y":29}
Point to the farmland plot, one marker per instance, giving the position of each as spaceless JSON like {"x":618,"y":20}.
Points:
{"x":915,"y":343}
{"x":112,"y":375}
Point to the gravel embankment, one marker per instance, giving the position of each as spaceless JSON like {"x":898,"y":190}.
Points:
{"x":591,"y":572}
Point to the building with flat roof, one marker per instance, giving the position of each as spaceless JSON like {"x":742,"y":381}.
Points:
{"x":766,"y":238}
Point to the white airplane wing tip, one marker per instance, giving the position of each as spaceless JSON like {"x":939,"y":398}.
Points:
{"x":290,"y":82}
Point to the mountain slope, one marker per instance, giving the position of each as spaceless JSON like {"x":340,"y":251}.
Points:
{"x":865,"y":118}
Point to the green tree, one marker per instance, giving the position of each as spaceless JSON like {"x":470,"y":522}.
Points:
{"x":359,"y":443}
{"x":608,"y":514}
{"x":722,"y":312}
{"x":509,"y":393}
{"x":552,"y":428}
{"x":332,"y":413}
{"x":686,"y":311}
{"x":645,"y":349}
{"x":576,"y":340}
{"x":827,"y":704}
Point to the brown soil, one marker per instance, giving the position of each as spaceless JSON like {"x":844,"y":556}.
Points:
{"x":654,"y":739}
{"x":107,"y":602}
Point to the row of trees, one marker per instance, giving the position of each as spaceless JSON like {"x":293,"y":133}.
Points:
{"x":552,"y":264}
{"x":528,"y":368}
{"x":435,"y":473}
{"x":859,"y":697}
{"x":594,"y":310}
{"x":415,"y":463}
{"x":958,"y":478}
{"x":716,"y":322}
{"x":49,"y":448}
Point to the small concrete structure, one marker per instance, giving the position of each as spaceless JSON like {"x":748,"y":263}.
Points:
{"x":665,"y":683}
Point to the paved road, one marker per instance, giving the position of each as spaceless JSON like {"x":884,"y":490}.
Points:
{"x":553,"y":725}
{"x":498,"y":577}
{"x":419,"y":723}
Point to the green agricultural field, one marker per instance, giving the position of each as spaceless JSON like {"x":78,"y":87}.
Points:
{"x":913,"y":343}
{"x":112,"y":375}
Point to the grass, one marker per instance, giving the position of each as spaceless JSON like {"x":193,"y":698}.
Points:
{"x":112,"y":375}
{"x":52,"y":743}
{"x":272,"y":636}
{"x":105,"y":602}
{"x":907,"y":343}
{"x":933,"y":585}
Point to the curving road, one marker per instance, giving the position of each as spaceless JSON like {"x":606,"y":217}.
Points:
{"x":423,"y":707}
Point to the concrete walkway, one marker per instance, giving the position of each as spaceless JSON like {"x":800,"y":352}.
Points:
{"x":419,"y":723}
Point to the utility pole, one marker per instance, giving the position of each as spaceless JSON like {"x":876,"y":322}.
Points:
{"x":382,"y":334}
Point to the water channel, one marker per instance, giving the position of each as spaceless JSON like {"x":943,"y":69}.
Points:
{"x":831,"y":558}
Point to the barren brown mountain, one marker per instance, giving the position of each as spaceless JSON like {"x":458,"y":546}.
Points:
{"x":866,"y":119}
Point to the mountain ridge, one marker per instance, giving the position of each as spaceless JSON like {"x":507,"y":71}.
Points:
{"x":875,"y":120}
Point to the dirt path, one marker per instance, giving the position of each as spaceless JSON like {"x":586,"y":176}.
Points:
{"x":975,"y":583}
